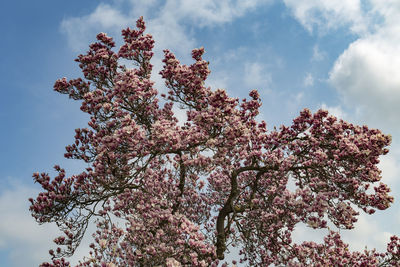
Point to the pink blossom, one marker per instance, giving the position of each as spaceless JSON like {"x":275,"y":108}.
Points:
{"x":186,"y":192}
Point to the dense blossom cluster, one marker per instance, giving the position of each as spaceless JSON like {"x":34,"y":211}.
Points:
{"x":167,"y":194}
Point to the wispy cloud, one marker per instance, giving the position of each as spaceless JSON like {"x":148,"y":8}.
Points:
{"x":318,"y":55}
{"x":308,"y":80}
{"x":211,"y":12}
{"x":257,"y":75}
{"x":81,"y":30}
{"x":170,"y":22}
{"x":329,"y":14}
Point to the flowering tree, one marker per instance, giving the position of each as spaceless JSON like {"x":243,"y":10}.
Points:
{"x":167,"y":194}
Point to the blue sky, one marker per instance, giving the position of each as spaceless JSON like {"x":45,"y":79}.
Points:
{"x":339,"y":55}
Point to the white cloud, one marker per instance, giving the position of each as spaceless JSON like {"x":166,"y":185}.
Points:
{"x":389,"y":10}
{"x":308,"y":80}
{"x":367,"y":74}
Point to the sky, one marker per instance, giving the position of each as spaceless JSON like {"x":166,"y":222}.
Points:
{"x":342,"y":56}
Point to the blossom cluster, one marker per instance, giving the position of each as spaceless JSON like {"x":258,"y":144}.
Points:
{"x":166,"y":194}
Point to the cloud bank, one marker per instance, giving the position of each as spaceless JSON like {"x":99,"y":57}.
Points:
{"x":366,"y":74}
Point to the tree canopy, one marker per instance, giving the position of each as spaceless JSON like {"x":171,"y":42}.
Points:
{"x":165,"y":193}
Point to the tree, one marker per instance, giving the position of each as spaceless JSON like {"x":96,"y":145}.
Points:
{"x":167,"y":194}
